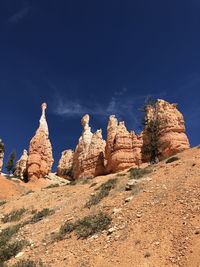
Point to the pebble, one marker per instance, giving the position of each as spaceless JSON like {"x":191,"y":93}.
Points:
{"x":19,"y":255}
{"x":128,"y":199}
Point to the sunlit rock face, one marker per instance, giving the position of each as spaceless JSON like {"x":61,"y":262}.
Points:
{"x":89,"y":153}
{"x":21,"y":165}
{"x":1,"y":154}
{"x":40,"y":158}
{"x":65,"y":164}
{"x":123,"y":148}
{"x":172,"y":138}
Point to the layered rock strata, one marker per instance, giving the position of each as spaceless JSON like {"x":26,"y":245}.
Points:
{"x":40,"y":158}
{"x":123,"y":148}
{"x":89,"y":154}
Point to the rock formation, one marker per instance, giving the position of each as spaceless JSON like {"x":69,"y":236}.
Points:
{"x":171,"y":129}
{"x":21,"y":165}
{"x":123,"y":148}
{"x":65,"y":164}
{"x":1,"y":154}
{"x":89,"y":153}
{"x":40,"y":158}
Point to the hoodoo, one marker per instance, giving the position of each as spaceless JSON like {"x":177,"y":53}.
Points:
{"x":1,"y":154}
{"x":40,"y":158}
{"x":21,"y":165}
{"x":89,"y":153}
{"x":123,"y":148}
{"x":65,"y":164}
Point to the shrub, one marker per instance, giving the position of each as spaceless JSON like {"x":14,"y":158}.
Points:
{"x":52,"y":186}
{"x":103,"y":191}
{"x":7,"y":233}
{"x":2,"y":202}
{"x":172,"y":159}
{"x":28,"y":263}
{"x":137,"y":173}
{"x":86,"y":227}
{"x":41,"y":215}
{"x":14,"y":215}
{"x":10,"y":250}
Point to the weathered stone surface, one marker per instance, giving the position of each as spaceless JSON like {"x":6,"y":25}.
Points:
{"x":21,"y":165}
{"x":1,"y":154}
{"x":40,"y":158}
{"x":65,"y":164}
{"x":123,"y":148}
{"x":89,"y":153}
{"x":172,"y":138}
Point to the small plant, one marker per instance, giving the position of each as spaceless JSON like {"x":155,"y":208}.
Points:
{"x":86,"y":180}
{"x":93,"y":184}
{"x":172,"y":159}
{"x":121,"y":174}
{"x":13,"y":216}
{"x":147,"y":254}
{"x":103,"y":191}
{"x":28,"y":263}
{"x":86,"y":227}
{"x":10,"y":250}
{"x":52,"y":186}
{"x":40,"y":215}
{"x":7,"y":233}
{"x":137,"y":173}
{"x":3,"y":202}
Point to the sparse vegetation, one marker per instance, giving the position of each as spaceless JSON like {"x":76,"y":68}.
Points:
{"x":136,"y":189}
{"x":86,"y":180}
{"x":85,"y":227}
{"x":3,"y":202}
{"x":102,"y":191}
{"x":40,"y":215}
{"x":28,"y":263}
{"x":172,"y":159}
{"x":14,"y":215}
{"x":8,"y":250}
{"x":52,"y":186}
{"x":137,"y":173}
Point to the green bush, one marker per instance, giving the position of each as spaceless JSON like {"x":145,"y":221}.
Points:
{"x":28,"y":263}
{"x":85,"y":227}
{"x":52,"y":186}
{"x":103,"y":191}
{"x":10,"y":250}
{"x":137,"y":173}
{"x":14,"y":215}
{"x":40,"y":215}
{"x":172,"y":159}
{"x":2,"y":202}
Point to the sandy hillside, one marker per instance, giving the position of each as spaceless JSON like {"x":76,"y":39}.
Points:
{"x":158,"y":225}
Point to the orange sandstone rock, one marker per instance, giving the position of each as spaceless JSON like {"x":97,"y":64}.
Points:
{"x":89,"y":154}
{"x":40,"y":158}
{"x":123,"y":148}
{"x":21,"y":165}
{"x":65,"y":164}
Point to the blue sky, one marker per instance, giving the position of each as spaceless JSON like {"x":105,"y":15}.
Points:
{"x":96,"y":57}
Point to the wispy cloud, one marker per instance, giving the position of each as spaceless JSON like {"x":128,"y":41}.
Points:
{"x":19,"y":15}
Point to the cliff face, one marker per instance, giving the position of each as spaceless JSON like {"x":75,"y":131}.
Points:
{"x":89,"y":154}
{"x":65,"y":164}
{"x":40,"y":158}
{"x":123,"y":148}
{"x":171,"y":129}
{"x":21,"y":165}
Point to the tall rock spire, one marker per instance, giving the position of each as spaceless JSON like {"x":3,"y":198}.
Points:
{"x":40,"y":158}
{"x":1,"y":154}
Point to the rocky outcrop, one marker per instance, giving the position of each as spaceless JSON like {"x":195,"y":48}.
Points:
{"x":2,"y":150}
{"x":21,"y":166}
{"x":89,"y":154}
{"x":171,"y":129}
{"x":65,"y":164}
{"x":40,"y":158}
{"x":123,"y":148}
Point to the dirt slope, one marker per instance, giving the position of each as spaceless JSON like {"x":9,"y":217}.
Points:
{"x":159,"y":226}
